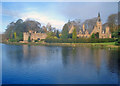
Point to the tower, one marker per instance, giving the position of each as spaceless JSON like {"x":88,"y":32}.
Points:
{"x":99,"y":20}
{"x":83,"y":27}
{"x":99,"y":25}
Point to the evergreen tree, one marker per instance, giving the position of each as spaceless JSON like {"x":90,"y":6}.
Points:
{"x":57,"y":34}
{"x":29,"y":39}
{"x":97,"y":35}
{"x":74,"y":34}
{"x":20,"y":36}
{"x":14,"y":35}
{"x":65,"y":32}
{"x":93,"y":35}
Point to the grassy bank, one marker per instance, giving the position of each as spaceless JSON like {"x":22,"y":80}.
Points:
{"x":99,"y":45}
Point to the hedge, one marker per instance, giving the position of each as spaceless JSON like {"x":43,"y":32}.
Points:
{"x":79,"y":40}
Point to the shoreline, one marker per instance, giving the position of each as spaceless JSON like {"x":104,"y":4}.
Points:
{"x":97,"y":45}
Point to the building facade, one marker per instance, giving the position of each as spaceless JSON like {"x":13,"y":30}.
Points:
{"x":97,"y":29}
{"x":33,"y":36}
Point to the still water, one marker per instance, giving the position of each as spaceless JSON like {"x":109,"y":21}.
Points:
{"x":25,"y":64}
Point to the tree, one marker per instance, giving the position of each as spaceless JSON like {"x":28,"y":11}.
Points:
{"x":29,"y":39}
{"x":65,"y":32}
{"x":32,"y":25}
{"x":44,"y":29}
{"x":10,"y":30}
{"x":14,"y":35}
{"x":93,"y":35}
{"x":70,"y":35}
{"x":113,"y":22}
{"x":21,"y":26}
{"x":20,"y":36}
{"x":49,"y":28}
{"x":97,"y":35}
{"x":74,"y":34}
{"x":51,"y":35}
{"x":57,"y":34}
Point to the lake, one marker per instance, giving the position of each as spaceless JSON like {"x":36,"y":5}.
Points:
{"x":24,"y":64}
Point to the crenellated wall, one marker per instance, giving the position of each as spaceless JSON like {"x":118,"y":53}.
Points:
{"x":33,"y":36}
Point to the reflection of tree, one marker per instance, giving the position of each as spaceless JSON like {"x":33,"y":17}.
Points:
{"x":74,"y":54}
{"x":97,"y":58}
{"x":24,"y":54}
{"x":31,"y":52}
{"x":69,"y":55}
{"x":13,"y":53}
{"x":113,"y":60}
{"x":74,"y":51}
{"x":65,"y":55}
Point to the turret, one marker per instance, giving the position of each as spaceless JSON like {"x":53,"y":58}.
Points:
{"x":98,"y":20}
{"x":83,"y":27}
{"x":99,"y":25}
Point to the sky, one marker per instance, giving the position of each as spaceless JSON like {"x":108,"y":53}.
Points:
{"x":55,"y":13}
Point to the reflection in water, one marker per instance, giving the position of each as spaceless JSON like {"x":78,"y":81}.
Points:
{"x":37,"y":64}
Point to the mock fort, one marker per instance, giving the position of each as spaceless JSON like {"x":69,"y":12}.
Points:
{"x":97,"y":29}
{"x":102,"y":32}
{"x":33,"y":35}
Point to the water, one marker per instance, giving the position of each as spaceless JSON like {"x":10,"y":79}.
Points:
{"x":25,"y":64}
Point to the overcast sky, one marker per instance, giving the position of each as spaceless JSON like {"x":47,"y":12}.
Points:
{"x":56,"y":13}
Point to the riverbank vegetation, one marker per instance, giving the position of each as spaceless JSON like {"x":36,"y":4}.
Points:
{"x":79,"y":40}
{"x":14,"y":31}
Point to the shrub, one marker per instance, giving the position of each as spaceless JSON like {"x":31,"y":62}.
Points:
{"x":13,"y":40}
{"x":117,"y":42}
{"x":79,"y":40}
{"x":36,"y":40}
{"x":42,"y":40}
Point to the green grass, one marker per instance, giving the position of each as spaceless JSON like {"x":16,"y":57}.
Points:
{"x":108,"y":43}
{"x":97,"y":45}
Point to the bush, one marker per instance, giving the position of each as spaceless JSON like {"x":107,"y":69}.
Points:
{"x":13,"y":40}
{"x":36,"y":40}
{"x":79,"y":40}
{"x":42,"y":40}
{"x":117,"y":42}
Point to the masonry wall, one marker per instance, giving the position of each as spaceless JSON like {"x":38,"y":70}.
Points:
{"x":25,"y":36}
{"x":33,"y":36}
{"x":36,"y":36}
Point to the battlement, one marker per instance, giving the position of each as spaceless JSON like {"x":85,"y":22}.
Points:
{"x":33,"y":35}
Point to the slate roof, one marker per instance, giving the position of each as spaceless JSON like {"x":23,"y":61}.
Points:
{"x":90,"y":24}
{"x":104,"y":27}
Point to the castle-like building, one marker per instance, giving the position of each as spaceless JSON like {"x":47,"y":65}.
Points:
{"x":97,"y":29}
{"x":33,"y":35}
{"x":82,"y":33}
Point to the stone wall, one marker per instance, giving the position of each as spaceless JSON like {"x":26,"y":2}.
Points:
{"x":36,"y":36}
{"x":33,"y":36}
{"x":25,"y":36}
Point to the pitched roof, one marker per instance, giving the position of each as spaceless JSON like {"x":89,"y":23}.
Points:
{"x":90,"y":23}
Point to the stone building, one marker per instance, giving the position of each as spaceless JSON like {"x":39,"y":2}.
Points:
{"x":97,"y":29}
{"x":33,"y":36}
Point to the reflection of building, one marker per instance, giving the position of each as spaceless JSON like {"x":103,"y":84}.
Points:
{"x":33,"y":36}
{"x":97,"y":29}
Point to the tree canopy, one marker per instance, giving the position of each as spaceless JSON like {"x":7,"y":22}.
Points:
{"x":65,"y":32}
{"x":74,"y":34}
